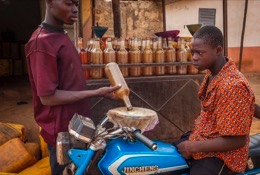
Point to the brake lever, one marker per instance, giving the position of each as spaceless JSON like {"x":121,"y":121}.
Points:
{"x":113,"y":133}
{"x":103,"y":121}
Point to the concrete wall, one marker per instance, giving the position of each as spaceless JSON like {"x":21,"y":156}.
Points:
{"x":186,"y":12}
{"x":235,"y":22}
{"x":138,"y":18}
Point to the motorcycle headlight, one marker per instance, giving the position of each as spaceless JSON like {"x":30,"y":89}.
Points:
{"x":82,"y":128}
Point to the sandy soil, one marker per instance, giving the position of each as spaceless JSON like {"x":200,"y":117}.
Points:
{"x":16,"y":103}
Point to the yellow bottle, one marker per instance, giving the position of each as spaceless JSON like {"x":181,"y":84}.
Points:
{"x":115,"y":77}
{"x":159,"y":58}
{"x":147,"y":58}
{"x":122,"y":58}
{"x":182,"y":56}
{"x":109,"y":53}
{"x":170,"y":57}
{"x":135,"y":57}
{"x":96,"y":58}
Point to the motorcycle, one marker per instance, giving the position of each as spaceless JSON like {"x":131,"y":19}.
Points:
{"x":123,"y":150}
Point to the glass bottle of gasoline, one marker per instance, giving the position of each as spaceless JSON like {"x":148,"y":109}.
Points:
{"x":115,"y":77}
{"x":96,"y":58}
{"x":182,"y":56}
{"x":147,"y":58}
{"x":170,"y":57}
{"x":164,"y":44}
{"x":122,"y":57}
{"x":81,"y":51}
{"x":154,"y":48}
{"x":89,"y":49}
{"x":190,"y":69}
{"x":135,"y":57}
{"x":109,"y":53}
{"x":159,"y":58}
{"x":142,"y":48}
{"x":83,"y":57}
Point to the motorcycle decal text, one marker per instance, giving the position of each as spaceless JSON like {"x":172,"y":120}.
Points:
{"x":141,"y":169}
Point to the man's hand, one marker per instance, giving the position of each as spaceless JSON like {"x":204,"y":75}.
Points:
{"x":219,"y":144}
{"x":108,"y":92}
{"x":183,"y":148}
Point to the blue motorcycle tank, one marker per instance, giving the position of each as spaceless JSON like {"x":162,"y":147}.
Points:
{"x":124,"y":157}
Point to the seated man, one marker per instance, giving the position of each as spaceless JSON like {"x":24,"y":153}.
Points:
{"x":219,"y":140}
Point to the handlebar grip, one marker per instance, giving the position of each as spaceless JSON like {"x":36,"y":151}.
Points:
{"x":145,"y":140}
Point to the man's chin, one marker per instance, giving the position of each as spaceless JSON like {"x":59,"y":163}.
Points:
{"x":200,"y":68}
{"x":70,"y":22}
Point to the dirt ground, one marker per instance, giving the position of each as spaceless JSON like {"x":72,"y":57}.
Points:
{"x":16,"y":103}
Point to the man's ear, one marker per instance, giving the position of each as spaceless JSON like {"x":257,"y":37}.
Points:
{"x":219,"y":50}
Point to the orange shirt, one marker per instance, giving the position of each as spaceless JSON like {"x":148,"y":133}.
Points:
{"x":227,"y":108}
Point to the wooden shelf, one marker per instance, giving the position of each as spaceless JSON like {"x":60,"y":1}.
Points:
{"x":140,"y":64}
{"x":150,"y":78}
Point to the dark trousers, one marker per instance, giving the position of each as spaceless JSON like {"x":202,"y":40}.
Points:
{"x":206,"y":166}
{"x":56,"y":169}
{"x":209,"y":166}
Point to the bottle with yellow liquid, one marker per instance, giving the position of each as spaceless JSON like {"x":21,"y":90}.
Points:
{"x":109,"y":52}
{"x":159,"y":58}
{"x":122,"y":57}
{"x":135,"y":57}
{"x":115,"y":77}
{"x":182,"y":56}
{"x":170,"y":57}
{"x":154,"y":48}
{"x":190,"y":69}
{"x":96,"y":58}
{"x":89,"y":49}
{"x":83,"y":57}
{"x":147,"y":58}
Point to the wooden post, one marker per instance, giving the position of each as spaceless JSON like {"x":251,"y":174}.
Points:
{"x":225,"y":30}
{"x":93,"y":15}
{"x":80,"y":31}
{"x":117,"y":18}
{"x":164,"y":15}
{"x":242,"y":36}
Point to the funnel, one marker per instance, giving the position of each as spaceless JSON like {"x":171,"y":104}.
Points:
{"x":141,"y":118}
{"x":193,"y":28}
{"x":99,"y":30}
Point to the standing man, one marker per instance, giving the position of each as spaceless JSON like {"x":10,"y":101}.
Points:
{"x":56,"y":75}
{"x":218,"y":143}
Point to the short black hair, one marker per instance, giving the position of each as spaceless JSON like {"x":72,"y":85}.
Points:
{"x":210,"y":35}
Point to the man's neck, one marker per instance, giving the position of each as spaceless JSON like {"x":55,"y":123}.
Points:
{"x":218,"y":66}
{"x":52,"y":28}
{"x":49,"y":19}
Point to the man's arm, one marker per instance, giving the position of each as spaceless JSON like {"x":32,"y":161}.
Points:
{"x":61,"y":97}
{"x":257,"y":111}
{"x":219,"y":144}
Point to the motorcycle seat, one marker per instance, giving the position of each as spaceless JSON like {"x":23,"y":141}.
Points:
{"x":254,"y":145}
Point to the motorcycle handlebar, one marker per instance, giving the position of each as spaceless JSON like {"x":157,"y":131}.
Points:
{"x":144,"y":140}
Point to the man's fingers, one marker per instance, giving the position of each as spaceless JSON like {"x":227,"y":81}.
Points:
{"x":114,"y":88}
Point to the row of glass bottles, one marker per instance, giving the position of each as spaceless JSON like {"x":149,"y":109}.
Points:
{"x":151,"y":51}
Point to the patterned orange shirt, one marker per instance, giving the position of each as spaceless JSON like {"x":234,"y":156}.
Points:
{"x":227,"y":108}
